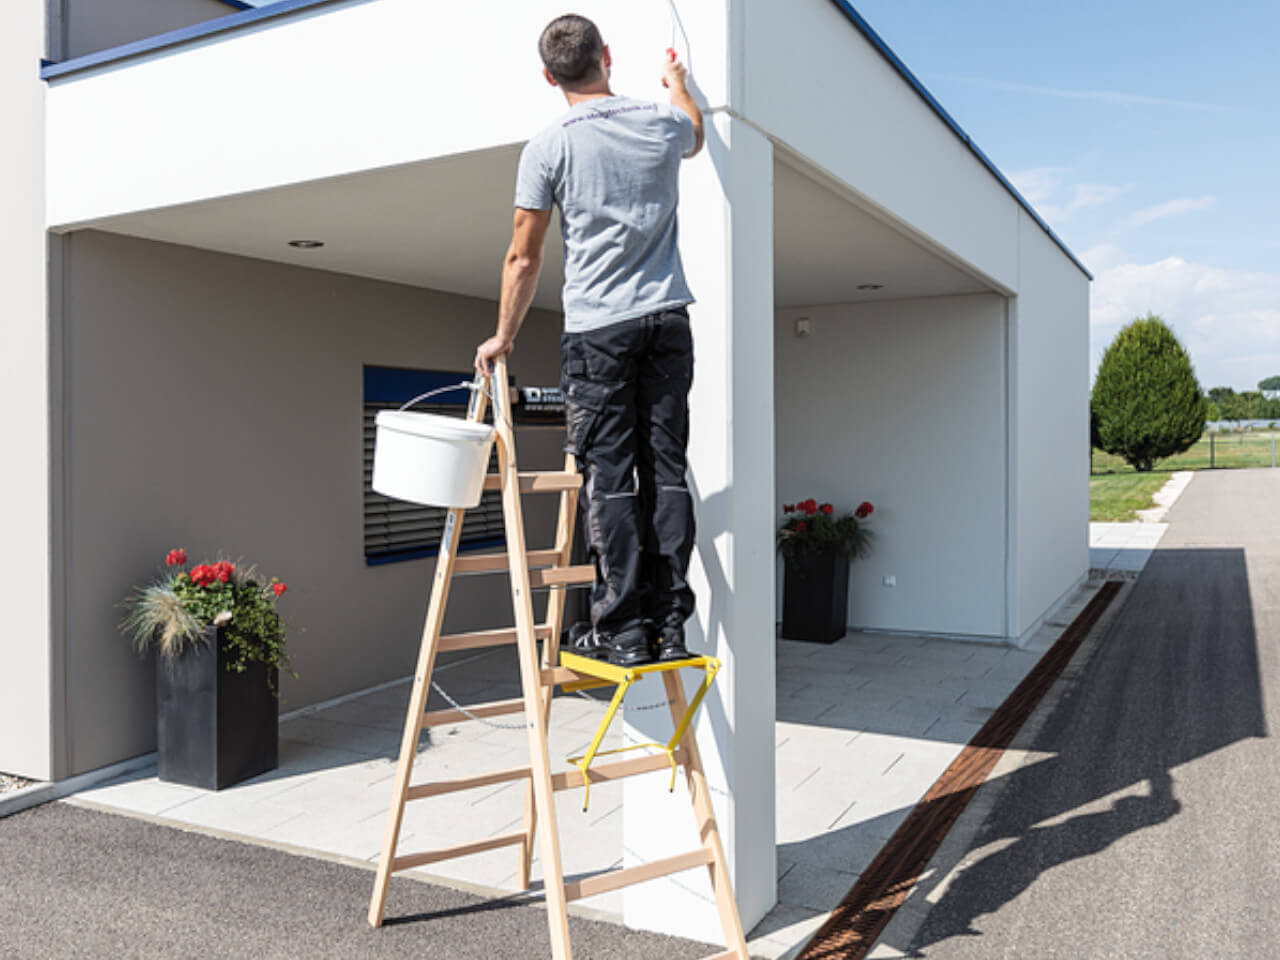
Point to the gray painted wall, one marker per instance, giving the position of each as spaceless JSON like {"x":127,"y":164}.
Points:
{"x":77,"y":27}
{"x":214,"y":402}
{"x":903,"y":403}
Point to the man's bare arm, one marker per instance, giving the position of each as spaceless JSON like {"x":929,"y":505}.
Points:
{"x":675,"y":78}
{"x":520,"y":272}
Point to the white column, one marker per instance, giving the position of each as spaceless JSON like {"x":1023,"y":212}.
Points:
{"x":25,"y":704}
{"x":726,"y":239}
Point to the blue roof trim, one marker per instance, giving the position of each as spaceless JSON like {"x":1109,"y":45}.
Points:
{"x":239,"y":4}
{"x":232,"y":21}
{"x":869,"y":32}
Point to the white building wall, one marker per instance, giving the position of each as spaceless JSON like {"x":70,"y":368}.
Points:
{"x":871,"y":130}
{"x":334,"y":90}
{"x":902,"y":403}
{"x":215,"y":403}
{"x":1049,"y":331}
{"x":726,"y":227}
{"x":25,"y":681}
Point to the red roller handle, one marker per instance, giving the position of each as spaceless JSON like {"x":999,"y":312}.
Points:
{"x":671,"y":55}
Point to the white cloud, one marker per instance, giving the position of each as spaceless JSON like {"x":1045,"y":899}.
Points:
{"x":1039,"y":183}
{"x":1172,"y":208}
{"x":1102,"y":256}
{"x":1119,"y":97}
{"x":1047,"y":190}
{"x":1229,"y":320}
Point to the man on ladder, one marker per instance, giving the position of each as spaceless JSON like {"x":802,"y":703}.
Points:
{"x":611,"y":165}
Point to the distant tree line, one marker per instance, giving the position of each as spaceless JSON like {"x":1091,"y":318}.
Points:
{"x":1226,"y":404}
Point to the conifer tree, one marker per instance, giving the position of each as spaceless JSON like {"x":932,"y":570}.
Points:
{"x":1146,"y":398}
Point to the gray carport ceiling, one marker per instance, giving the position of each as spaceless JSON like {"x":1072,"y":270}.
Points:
{"x":445,"y":224}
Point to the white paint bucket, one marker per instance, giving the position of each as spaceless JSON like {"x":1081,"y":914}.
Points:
{"x":430,"y":459}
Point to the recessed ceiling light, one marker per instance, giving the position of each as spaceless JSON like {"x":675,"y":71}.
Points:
{"x":870,"y":286}
{"x":306,"y":244}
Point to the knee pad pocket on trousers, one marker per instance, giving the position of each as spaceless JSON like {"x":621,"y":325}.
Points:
{"x":584,"y":402}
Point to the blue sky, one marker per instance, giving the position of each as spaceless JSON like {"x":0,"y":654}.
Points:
{"x":1147,"y":135}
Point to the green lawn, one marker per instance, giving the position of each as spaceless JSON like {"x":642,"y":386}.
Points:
{"x":1116,"y":490}
{"x":1115,"y":496}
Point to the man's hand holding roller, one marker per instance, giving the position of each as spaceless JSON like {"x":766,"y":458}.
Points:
{"x":675,"y":76}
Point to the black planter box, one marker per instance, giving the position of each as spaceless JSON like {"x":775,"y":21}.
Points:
{"x":815,"y":596}
{"x":214,"y":727}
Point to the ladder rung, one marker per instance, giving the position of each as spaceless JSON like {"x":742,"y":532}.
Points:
{"x":568,"y":780}
{"x":494,"y":562}
{"x":615,"y":771}
{"x":562,"y":576}
{"x":487,"y":638}
{"x":498,"y":708}
{"x":604,"y":882}
{"x":452,"y":853}
{"x":558,"y":676}
{"x":469,"y":783}
{"x":551,"y":481}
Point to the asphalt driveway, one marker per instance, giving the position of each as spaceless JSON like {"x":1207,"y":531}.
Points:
{"x":78,"y":883}
{"x":1145,"y":824}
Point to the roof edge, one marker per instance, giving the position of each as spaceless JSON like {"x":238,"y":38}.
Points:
{"x":245,"y":16}
{"x":865,"y":28}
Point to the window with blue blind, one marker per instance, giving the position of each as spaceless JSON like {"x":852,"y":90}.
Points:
{"x":393,"y":529}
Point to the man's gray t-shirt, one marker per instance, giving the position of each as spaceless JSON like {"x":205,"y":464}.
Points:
{"x":611,"y":166}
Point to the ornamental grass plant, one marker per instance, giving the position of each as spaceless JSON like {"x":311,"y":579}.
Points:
{"x":177,"y":610}
{"x":812,"y":527}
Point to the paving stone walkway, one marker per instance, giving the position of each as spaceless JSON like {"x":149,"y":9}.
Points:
{"x":864,"y":728}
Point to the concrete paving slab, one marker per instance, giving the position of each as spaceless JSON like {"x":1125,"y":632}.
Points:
{"x":865,"y":727}
{"x":814,"y":888}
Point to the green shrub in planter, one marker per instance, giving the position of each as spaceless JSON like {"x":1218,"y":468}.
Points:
{"x":220,"y":645}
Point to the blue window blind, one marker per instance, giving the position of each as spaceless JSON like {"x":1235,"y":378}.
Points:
{"x":393,"y":529}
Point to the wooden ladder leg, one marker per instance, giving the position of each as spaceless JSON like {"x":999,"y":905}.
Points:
{"x":417,"y":709}
{"x":550,"y":656}
{"x":431,"y":627}
{"x":696,"y":778}
{"x":530,"y":673}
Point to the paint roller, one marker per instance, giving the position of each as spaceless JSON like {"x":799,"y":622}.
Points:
{"x":677,"y":25}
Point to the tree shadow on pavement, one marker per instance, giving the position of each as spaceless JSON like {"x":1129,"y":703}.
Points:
{"x":1175,"y":677}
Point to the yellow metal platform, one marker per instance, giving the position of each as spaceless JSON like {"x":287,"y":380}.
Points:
{"x":599,"y":673}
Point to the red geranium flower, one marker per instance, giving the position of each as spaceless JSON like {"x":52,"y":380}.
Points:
{"x":279,"y":588}
{"x":223,"y":570}
{"x":788,"y":508}
{"x":203,"y":575}
{"x":864,"y":510}
{"x":801,"y":526}
{"x":811,"y":507}
{"x":827,"y":508}
{"x":175,"y":558}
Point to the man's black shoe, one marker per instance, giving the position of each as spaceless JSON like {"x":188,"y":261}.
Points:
{"x":671,"y":645}
{"x":630,"y":648}
{"x":585,"y":643}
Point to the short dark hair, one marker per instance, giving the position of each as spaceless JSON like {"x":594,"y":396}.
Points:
{"x":571,"y":47}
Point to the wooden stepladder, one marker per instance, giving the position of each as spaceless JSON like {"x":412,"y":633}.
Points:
{"x":540,"y":673}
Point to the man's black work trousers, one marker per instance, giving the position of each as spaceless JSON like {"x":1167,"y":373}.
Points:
{"x":626,"y":388}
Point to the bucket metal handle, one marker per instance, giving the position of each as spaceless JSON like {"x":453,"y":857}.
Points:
{"x":473,"y":385}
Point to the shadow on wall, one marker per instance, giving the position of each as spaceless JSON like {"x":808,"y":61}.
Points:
{"x":1176,"y":678}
